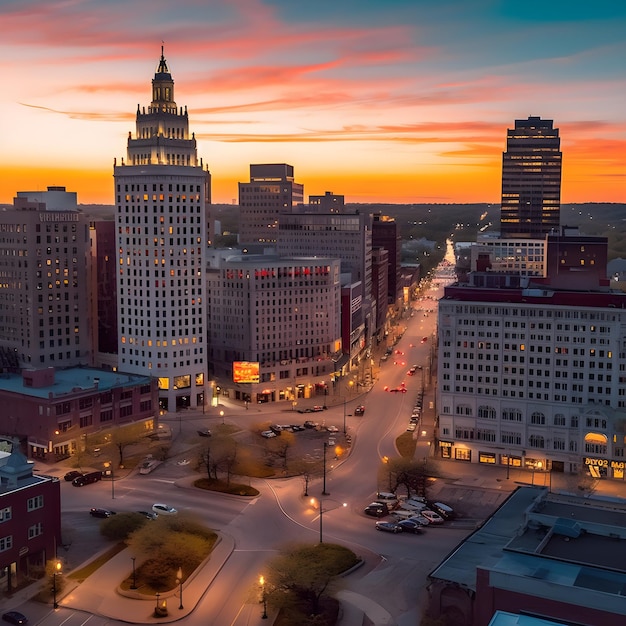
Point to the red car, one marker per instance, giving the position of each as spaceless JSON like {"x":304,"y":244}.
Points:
{"x":424,"y":339}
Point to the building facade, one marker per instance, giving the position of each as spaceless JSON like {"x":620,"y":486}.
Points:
{"x":30,"y":520}
{"x":53,"y":412}
{"x":272,"y":190}
{"x":280,"y":313}
{"x":161,"y":194}
{"x":44,"y":261}
{"x":531,"y":180}
{"x":533,"y":377}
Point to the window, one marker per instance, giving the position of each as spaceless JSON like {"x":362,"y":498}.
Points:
{"x":538,"y":418}
{"x":35,"y":503}
{"x":6,"y":543}
{"x":35,"y":531}
{"x":5,"y":514}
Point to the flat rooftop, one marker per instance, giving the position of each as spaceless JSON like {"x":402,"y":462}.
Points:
{"x":71,"y":380}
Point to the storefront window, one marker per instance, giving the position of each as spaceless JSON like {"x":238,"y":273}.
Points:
{"x":462,"y":454}
{"x":486,"y":457}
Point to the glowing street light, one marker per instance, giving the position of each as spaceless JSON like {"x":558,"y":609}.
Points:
{"x":263,"y":597}
{"x":179,"y":581}
{"x":57,"y":570}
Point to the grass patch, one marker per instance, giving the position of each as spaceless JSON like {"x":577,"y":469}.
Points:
{"x":82,"y":573}
{"x":235,"y":489}
{"x":406,"y":445}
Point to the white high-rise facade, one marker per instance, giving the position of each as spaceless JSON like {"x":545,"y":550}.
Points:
{"x":161,"y":194}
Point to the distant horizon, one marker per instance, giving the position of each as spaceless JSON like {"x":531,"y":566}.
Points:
{"x":403,"y":102}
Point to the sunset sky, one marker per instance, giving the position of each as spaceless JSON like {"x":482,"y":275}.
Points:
{"x":382,"y":101}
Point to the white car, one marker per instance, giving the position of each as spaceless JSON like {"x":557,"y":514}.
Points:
{"x":432,"y":517}
{"x":163,"y":509}
{"x":332,"y":429}
{"x":268,"y":434}
{"x":411,"y":427}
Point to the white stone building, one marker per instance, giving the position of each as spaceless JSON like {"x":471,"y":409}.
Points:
{"x":533,"y":377}
{"x":161,"y":193}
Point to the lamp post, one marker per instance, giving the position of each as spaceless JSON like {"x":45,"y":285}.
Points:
{"x":179,"y":581}
{"x":57,"y":570}
{"x":156,"y":608}
{"x":322,"y":511}
{"x":134,"y":585}
{"x":324,"y":492}
{"x":344,"y":416}
{"x":222,"y":416}
{"x":263,"y":597}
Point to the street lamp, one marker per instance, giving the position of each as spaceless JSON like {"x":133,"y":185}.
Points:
{"x":134,"y":585}
{"x":55,"y":571}
{"x":156,"y":608}
{"x":322,"y":510}
{"x":263,"y":597}
{"x":179,"y":581}
{"x":324,"y":492}
{"x":344,"y":416}
{"x":222,"y":416}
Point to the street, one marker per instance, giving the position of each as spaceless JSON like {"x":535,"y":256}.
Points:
{"x":395,"y":566}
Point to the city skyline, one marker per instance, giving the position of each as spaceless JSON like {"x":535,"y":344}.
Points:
{"x":379,"y":103}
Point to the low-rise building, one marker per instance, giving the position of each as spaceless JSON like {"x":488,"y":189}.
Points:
{"x":53,"y":411}
{"x":557,"y":557}
{"x":30,"y":519}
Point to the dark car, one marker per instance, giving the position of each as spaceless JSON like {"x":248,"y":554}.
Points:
{"x":309,"y":424}
{"x":87,"y":479}
{"x":376,"y":509}
{"x":148,"y":514}
{"x":389,"y":527}
{"x":72,"y":475}
{"x":204,"y":432}
{"x":103,"y":513}
{"x":359,"y":410}
{"x":14,"y":617}
{"x":410,"y":526}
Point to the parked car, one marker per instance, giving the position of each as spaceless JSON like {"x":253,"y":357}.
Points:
{"x":87,"y":479}
{"x":389,"y":527}
{"x":376,"y":509}
{"x":72,"y":475}
{"x":268,"y":434}
{"x":431,"y":516}
{"x":276,"y":429}
{"x":424,"y":339}
{"x":422,"y":521}
{"x":411,"y":427}
{"x":297,"y":428}
{"x":447,"y":512}
{"x":204,"y":432}
{"x":332,"y":429}
{"x":163,"y":509}
{"x":14,"y":617}
{"x":317,"y":408}
{"x":148,"y":514}
{"x":360,"y":410}
{"x":103,"y":513}
{"x":398,"y":390}
{"x":387,"y":495}
{"x":310,"y":424}
{"x":410,"y":526}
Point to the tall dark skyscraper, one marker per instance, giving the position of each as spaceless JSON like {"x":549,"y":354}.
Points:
{"x":531,"y":180}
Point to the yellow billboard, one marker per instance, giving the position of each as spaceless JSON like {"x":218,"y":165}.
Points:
{"x":245,"y":371}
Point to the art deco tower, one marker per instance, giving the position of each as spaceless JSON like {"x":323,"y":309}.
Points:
{"x":161,"y":193}
{"x":531,"y":180}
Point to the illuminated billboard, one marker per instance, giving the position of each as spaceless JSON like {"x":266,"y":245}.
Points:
{"x":245,"y":371}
